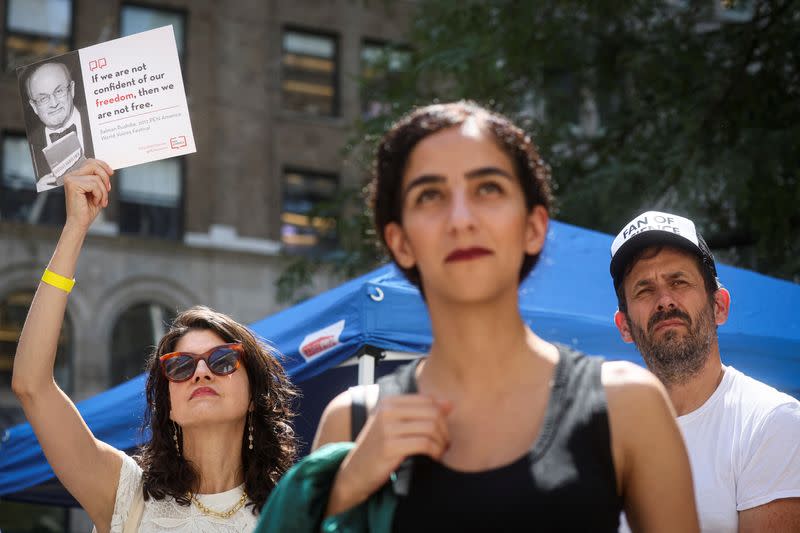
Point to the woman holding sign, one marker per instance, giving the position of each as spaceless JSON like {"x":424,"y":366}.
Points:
{"x":218,"y":407}
{"x":496,"y":429}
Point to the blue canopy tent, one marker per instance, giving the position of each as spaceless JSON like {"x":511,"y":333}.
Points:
{"x":568,"y":298}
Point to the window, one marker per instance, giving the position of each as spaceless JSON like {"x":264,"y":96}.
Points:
{"x":150,"y":196}
{"x":137,"y":330}
{"x":36,"y":29}
{"x":380,"y":65}
{"x":151,"y":199}
{"x":13,"y":310}
{"x":18,"y":197}
{"x":308,"y":223}
{"x":136,"y":19}
{"x":309,"y":73}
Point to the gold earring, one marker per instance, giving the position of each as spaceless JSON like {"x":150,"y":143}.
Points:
{"x":175,"y":437}
{"x":250,"y":430}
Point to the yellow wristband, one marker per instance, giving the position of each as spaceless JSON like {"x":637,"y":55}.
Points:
{"x":58,"y":281}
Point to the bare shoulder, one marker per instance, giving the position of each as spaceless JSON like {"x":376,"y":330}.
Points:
{"x":631,"y":389}
{"x":621,"y":373}
{"x":334,"y":425}
{"x":629,"y":380}
{"x":641,"y":420}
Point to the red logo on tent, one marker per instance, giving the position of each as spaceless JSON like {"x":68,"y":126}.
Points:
{"x":321,"y":340}
{"x":318,"y":345}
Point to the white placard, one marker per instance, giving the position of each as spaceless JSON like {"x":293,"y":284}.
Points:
{"x":124,"y":100}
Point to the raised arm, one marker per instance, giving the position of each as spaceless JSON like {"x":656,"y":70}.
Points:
{"x":650,"y":458}
{"x":88,"y":468}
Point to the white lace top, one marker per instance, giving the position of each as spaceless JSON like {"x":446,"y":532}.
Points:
{"x":167,"y":515}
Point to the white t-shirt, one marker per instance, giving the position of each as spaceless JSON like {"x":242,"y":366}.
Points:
{"x":744,"y":449}
{"x":167,"y":515}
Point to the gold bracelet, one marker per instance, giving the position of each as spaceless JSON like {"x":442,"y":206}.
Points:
{"x":58,"y":281}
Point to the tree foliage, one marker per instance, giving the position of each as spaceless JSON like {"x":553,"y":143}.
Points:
{"x":691,"y":107}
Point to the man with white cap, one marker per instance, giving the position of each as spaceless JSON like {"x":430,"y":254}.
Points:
{"x":743,"y":436}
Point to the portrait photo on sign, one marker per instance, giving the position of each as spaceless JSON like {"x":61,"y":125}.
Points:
{"x":56,"y":123}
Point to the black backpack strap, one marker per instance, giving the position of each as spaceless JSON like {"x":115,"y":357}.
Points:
{"x":401,"y":381}
{"x":358,"y":410}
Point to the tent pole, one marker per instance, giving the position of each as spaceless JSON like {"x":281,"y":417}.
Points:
{"x":367,"y":357}
{"x":366,"y":370}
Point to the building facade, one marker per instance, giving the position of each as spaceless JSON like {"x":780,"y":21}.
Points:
{"x":273,"y":88}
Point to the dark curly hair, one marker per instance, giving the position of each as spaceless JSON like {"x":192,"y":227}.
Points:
{"x":396,"y":147}
{"x":274,"y":442}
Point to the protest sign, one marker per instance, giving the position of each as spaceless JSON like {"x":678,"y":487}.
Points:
{"x":121,"y":101}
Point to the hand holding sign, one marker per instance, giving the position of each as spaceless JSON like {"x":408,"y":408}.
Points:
{"x":86,"y":190}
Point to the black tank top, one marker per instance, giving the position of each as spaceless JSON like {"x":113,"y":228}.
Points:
{"x":566,"y":481}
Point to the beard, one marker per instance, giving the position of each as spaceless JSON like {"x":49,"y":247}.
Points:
{"x":676,"y":358}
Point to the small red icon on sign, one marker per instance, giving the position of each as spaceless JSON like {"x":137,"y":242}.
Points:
{"x":177,"y":142}
{"x":95,"y":64}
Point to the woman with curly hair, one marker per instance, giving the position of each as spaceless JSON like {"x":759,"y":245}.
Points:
{"x":497,"y":429}
{"x":218,"y":407}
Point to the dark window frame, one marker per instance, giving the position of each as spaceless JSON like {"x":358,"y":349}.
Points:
{"x":59,"y":191}
{"x":70,"y":41}
{"x":184,"y":13}
{"x":336,"y":107}
{"x":69,"y":346}
{"x":10,"y":132}
{"x":306,"y":171}
{"x":171,"y":312}
{"x":181,"y":207}
{"x":386,"y":43}
{"x":377,"y":43}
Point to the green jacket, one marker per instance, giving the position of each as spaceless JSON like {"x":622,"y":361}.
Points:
{"x":298,"y":501}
